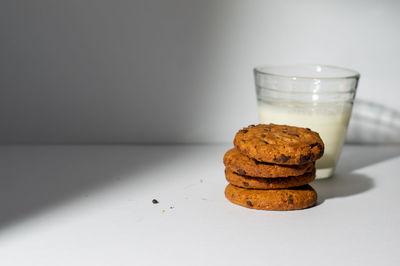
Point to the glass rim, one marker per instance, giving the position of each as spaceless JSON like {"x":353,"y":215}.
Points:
{"x":259,"y":70}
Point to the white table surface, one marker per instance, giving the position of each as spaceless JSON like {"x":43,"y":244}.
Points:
{"x":92,"y":205}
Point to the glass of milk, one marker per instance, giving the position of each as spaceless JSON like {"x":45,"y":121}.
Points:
{"x":318,"y":97}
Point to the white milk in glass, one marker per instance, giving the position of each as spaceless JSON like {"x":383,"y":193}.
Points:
{"x":329,"y":120}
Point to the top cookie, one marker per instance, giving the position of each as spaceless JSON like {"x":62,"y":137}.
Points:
{"x":279,"y":144}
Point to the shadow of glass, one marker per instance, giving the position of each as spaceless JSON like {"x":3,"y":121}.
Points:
{"x":342,"y":186}
{"x":354,"y":157}
{"x":36,"y":178}
{"x":373,"y":123}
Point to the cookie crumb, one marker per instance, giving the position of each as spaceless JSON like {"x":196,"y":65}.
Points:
{"x":201,"y":180}
{"x":163,"y":211}
{"x":154,"y":201}
{"x":172,"y":207}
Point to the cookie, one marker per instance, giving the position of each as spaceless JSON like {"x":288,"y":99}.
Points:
{"x":274,"y":199}
{"x":279,"y":144}
{"x":243,"y":165}
{"x":268,"y":183}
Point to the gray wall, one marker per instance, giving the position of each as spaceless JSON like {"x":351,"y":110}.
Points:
{"x":175,"y":71}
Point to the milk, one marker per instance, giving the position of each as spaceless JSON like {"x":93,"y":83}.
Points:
{"x":329,"y":120}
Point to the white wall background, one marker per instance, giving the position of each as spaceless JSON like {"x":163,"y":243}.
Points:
{"x":175,"y":71}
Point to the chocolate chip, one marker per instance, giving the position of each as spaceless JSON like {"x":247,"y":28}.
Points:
{"x":244,"y":131}
{"x":154,"y":201}
{"x":263,"y":135}
{"x":283,"y":131}
{"x":243,"y":141}
{"x":291,"y":134}
{"x":290,"y":201}
{"x":305,"y":158}
{"x":284,"y":158}
{"x":249,"y":203}
{"x":245,"y":184}
{"x":241,"y":172}
{"x":321,"y":152}
{"x":252,"y":126}
{"x":256,"y":162}
{"x":314,"y":144}
{"x":308,"y":129}
{"x":266,"y":142}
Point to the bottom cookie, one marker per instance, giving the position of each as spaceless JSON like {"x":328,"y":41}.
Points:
{"x":277,"y":199}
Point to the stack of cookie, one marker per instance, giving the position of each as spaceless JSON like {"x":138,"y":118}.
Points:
{"x":271,"y":166}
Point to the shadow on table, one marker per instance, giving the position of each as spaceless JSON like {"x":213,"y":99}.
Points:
{"x":355,"y":156}
{"x":373,"y":123}
{"x":342,"y":186}
{"x":346,"y":182}
{"x":36,"y":178}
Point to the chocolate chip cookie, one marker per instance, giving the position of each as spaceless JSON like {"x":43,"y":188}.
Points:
{"x":275,"y":199}
{"x":243,"y":165}
{"x":268,"y":183}
{"x":279,"y":144}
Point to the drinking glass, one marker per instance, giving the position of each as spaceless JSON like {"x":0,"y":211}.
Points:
{"x":318,"y":97}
